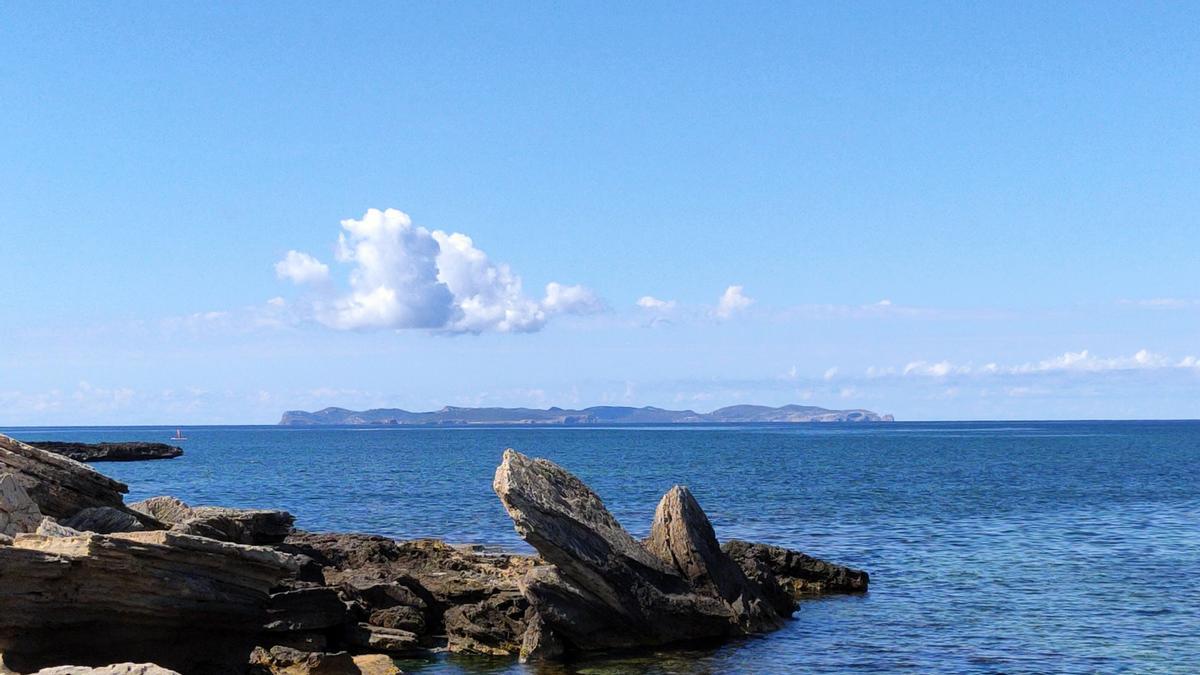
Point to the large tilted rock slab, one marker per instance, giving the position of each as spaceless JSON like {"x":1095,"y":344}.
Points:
{"x":188,"y":603}
{"x":240,"y":526}
{"x":61,"y":487}
{"x":605,"y":590}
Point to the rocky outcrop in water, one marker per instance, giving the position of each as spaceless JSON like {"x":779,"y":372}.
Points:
{"x":129,"y":451}
{"x":214,"y":590}
{"x":605,"y":590}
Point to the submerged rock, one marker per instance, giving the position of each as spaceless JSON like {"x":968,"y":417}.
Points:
{"x":287,"y":661}
{"x":131,"y":451}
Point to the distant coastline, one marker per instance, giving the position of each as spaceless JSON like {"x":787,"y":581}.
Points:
{"x":454,"y":416}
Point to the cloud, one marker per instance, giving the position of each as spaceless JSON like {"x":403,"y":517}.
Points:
{"x":732,"y":301}
{"x":830,"y":374}
{"x":652,"y":303}
{"x":404,"y":276}
{"x":1068,"y":362}
{"x":577,"y":299}
{"x":1163,"y":303}
{"x":301,"y":268}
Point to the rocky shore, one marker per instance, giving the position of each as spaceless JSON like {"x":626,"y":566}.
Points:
{"x":160,"y":586}
{"x":132,"y":451}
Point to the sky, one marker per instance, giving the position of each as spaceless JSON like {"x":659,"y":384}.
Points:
{"x":214,"y":212}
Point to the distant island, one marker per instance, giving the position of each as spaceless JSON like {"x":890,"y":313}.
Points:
{"x":452,"y":416}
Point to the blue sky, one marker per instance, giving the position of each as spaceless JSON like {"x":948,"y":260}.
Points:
{"x":948,"y":211}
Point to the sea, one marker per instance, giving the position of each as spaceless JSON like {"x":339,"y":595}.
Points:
{"x":993,"y":547}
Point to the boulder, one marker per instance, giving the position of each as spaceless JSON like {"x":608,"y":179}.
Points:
{"x":49,"y":528}
{"x":683,"y":538}
{"x":18,"y":513}
{"x":187,"y":603}
{"x":786,"y":576}
{"x":306,"y":609}
{"x":494,"y":627}
{"x":240,"y":526}
{"x":61,"y":487}
{"x":103,"y":520}
{"x":604,"y":590}
{"x":111,"y":452}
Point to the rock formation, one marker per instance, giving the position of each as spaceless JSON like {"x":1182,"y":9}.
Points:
{"x":604,"y":589}
{"x":61,"y":487}
{"x":240,"y":526}
{"x":87,"y":580}
{"x":184,"y":602}
{"x":131,"y":451}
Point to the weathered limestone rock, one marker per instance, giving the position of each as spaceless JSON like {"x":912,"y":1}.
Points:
{"x":111,"y":452}
{"x":188,"y":603}
{"x":49,"y":528}
{"x":103,"y":520}
{"x":61,"y":487}
{"x":787,"y":576}
{"x":18,"y":513}
{"x":117,"y":669}
{"x":376,"y":664}
{"x":240,"y":526}
{"x":495,"y":626}
{"x":605,"y":590}
{"x":683,"y":538}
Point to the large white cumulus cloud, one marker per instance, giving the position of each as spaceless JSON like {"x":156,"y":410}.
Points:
{"x":405,"y":276}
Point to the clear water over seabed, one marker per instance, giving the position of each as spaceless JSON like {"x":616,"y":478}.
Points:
{"x":992,"y":547}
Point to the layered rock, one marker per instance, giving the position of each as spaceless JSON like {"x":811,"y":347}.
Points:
{"x":185,"y":602}
{"x":61,"y":487}
{"x":288,"y":661}
{"x":426,"y":586}
{"x":787,"y":576}
{"x":116,"y":669}
{"x":132,"y":451}
{"x":240,"y":526}
{"x":103,"y":520}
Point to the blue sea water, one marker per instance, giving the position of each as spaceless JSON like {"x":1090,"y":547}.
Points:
{"x":1029,"y":547}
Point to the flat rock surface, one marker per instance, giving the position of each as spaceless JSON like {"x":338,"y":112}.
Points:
{"x":131,"y":451}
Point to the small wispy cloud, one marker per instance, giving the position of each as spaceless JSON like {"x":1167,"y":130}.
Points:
{"x":1082,"y":361}
{"x":732,"y":301}
{"x":1163,"y":303}
{"x":654,"y":304}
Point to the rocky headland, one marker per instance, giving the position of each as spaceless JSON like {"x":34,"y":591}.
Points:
{"x":131,"y":451}
{"x":606,"y":414}
{"x":159,"y":586}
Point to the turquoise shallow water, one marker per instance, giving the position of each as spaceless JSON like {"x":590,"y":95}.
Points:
{"x":992,"y":547}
